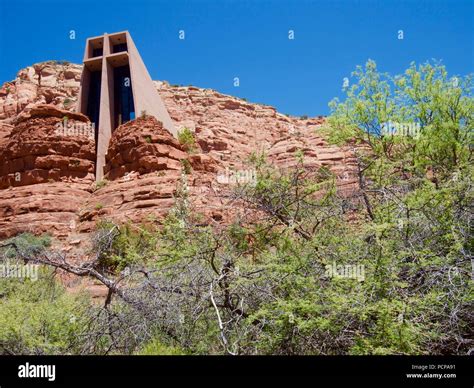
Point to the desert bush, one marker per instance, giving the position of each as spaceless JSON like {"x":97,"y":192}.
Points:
{"x":187,"y":140}
{"x":38,"y":317}
{"x":26,"y":243}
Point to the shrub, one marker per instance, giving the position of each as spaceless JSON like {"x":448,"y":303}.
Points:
{"x":156,"y":348}
{"x":261,"y":285}
{"x":60,"y":62}
{"x":187,"y":140}
{"x":122,"y":246}
{"x":39,"y":317}
{"x":27,"y":245}
{"x":98,"y":185}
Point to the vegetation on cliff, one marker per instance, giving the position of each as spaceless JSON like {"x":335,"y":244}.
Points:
{"x":305,"y":270}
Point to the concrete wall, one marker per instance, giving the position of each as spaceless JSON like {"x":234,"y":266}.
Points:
{"x":146,"y":97}
{"x":106,"y":116}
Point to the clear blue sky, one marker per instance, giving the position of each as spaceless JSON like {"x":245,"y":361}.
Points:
{"x":249,"y":40}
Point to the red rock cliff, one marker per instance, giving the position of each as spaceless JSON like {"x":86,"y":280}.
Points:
{"x":56,"y":193}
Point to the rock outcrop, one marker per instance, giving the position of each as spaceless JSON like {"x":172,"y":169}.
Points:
{"x":47,"y":145}
{"x":54,"y":83}
{"x":142,"y":146}
{"x":47,"y":176}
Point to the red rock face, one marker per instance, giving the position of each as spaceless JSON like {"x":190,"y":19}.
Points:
{"x":46,"y":169}
{"x":144,"y":163}
{"x":142,"y":146}
{"x":229,"y":130}
{"x":50,"y":83}
{"x":42,"y":147}
{"x":42,"y":208}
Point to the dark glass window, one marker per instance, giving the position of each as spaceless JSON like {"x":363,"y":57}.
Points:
{"x":97,"y":52}
{"x":93,"y":101}
{"x":124,"y":105}
{"x":120,"y":47}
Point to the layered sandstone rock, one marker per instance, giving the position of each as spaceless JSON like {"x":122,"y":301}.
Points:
{"x":229,"y":130}
{"x":144,"y":164}
{"x":46,"y":170}
{"x":52,"y":82}
{"x":42,"y":208}
{"x":142,"y":146}
{"x":47,"y":145}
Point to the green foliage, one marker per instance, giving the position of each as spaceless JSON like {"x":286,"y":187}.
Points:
{"x":61,"y":62}
{"x":38,"y":317}
{"x":257,"y":160}
{"x":100,"y":184}
{"x":26,"y":245}
{"x":187,"y":140}
{"x":127,"y":245}
{"x":417,"y":241}
{"x":425,"y":97}
{"x":156,"y":348}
